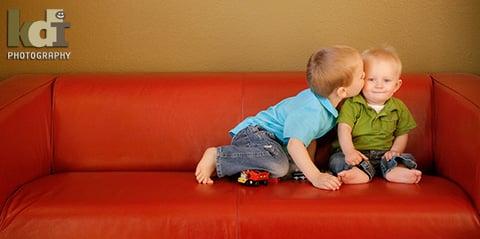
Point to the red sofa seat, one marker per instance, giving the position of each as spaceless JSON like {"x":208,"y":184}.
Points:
{"x":112,"y":156}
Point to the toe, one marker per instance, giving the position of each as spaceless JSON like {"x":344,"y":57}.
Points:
{"x":418,"y":179}
{"x":199,"y":179}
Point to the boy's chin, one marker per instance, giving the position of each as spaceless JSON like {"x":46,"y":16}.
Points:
{"x":376,"y":101}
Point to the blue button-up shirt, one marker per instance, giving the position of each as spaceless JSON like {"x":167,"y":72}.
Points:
{"x":306,"y":116}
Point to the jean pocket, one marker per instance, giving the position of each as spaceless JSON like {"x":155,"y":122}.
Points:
{"x":275,"y":150}
{"x":271,"y":149}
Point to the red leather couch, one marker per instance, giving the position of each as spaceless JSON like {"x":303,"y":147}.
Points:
{"x":112,"y":156}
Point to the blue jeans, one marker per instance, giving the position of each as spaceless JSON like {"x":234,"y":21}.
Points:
{"x":252,"y":148}
{"x":375,"y":163}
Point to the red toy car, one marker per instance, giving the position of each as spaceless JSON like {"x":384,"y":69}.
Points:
{"x":252,"y":177}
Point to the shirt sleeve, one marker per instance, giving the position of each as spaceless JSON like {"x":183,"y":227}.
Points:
{"x":406,"y":122}
{"x":303,"y":125}
{"x":348,"y":113}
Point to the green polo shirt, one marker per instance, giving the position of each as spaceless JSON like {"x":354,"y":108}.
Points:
{"x":372,"y":130}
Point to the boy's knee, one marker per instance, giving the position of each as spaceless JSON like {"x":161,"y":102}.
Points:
{"x":337,"y":162}
{"x":211,"y":150}
{"x":280,"y":169}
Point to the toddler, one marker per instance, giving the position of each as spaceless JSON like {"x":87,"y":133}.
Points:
{"x":373,"y":126}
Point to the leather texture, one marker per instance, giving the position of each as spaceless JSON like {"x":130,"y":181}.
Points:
{"x":112,"y":156}
{"x":25,"y":126}
{"x":457,"y":127}
{"x":121,"y":205}
{"x":169,"y":205}
{"x":435,"y":208}
{"x":93,"y":130}
{"x":141,"y":122}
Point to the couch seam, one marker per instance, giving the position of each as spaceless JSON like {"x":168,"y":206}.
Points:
{"x":455,"y":91}
{"x":433,"y":123}
{"x":24,"y":94}
{"x":52,"y":124}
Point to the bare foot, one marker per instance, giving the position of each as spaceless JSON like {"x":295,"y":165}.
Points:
{"x":206,"y":166}
{"x":404,"y":175}
{"x":353,"y":176}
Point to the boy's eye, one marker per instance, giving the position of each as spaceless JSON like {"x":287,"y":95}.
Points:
{"x":387,"y":80}
{"x":370,"y":79}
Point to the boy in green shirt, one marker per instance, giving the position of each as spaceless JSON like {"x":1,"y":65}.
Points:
{"x":373,"y":126}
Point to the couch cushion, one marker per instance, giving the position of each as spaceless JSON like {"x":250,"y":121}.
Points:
{"x":435,"y":208}
{"x":173,"y":205}
{"x":165,"y":121}
{"x":142,"y":122}
{"x":121,"y":205}
{"x":262,"y":90}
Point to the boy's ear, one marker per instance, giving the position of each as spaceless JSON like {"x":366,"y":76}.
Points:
{"x":342,"y":92}
{"x":399,"y":83}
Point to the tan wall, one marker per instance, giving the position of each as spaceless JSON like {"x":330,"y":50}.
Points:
{"x":249,"y":35}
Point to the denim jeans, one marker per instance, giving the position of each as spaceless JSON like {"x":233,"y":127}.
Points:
{"x":375,"y":163}
{"x":252,"y":148}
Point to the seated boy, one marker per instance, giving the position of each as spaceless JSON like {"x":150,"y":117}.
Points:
{"x":258,"y":142}
{"x":373,"y":127}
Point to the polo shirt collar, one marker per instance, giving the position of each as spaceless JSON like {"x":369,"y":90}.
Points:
{"x":327,"y":104}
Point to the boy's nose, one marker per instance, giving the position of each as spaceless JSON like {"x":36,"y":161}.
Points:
{"x":378,"y":84}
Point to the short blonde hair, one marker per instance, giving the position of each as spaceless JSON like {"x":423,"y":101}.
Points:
{"x":332,"y":67}
{"x":386,"y":53}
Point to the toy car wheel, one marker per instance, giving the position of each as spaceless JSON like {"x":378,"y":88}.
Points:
{"x":249,"y":182}
{"x":264,"y":182}
{"x":298,"y":176}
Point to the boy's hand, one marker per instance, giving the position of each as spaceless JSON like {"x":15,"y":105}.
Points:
{"x":326,"y":181}
{"x":354,"y":157}
{"x":391,"y":154}
{"x":302,"y":159}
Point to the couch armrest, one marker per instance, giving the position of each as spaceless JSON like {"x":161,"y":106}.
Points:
{"x":25,"y":131}
{"x":457,"y":130}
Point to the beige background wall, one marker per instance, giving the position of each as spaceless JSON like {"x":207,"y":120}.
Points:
{"x":249,"y":35}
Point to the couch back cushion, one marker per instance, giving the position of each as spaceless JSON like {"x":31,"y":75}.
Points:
{"x":141,"y":122}
{"x":165,"y":121}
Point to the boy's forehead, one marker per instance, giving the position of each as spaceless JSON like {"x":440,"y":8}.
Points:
{"x":382,"y":64}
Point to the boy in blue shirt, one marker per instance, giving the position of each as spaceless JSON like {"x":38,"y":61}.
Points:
{"x":333,"y":73}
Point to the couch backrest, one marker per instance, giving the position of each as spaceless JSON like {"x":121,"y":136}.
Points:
{"x":165,"y":121}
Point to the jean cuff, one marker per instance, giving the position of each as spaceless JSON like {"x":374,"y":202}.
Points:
{"x":406,"y":160}
{"x":387,"y":166}
{"x":367,"y":168}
